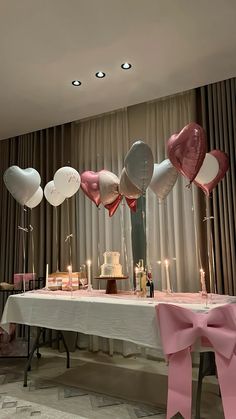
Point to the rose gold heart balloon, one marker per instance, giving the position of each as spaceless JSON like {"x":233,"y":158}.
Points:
{"x":90,"y":186}
{"x":223,"y":163}
{"x":187,"y":150}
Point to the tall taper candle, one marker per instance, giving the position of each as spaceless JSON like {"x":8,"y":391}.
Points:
{"x":89,"y":275}
{"x":46,"y":282}
{"x":167,"y":276}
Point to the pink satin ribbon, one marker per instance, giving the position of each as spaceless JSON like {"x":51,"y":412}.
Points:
{"x":179,"y":329}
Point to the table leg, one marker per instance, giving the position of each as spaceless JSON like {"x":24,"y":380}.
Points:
{"x":34,"y":347}
{"x":206,"y":367}
{"x":111,"y":286}
{"x":66,"y":348}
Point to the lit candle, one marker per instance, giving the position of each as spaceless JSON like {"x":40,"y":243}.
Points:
{"x":89,"y":275}
{"x":46,"y":283}
{"x":167,"y":276}
{"x":203,"y":282}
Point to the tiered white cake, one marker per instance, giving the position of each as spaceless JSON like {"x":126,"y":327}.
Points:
{"x":111,"y":266}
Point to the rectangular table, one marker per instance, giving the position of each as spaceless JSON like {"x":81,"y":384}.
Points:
{"x":123,"y":316}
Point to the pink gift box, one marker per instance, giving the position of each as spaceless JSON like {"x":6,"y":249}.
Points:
{"x":66,"y":286}
{"x":18,"y":280}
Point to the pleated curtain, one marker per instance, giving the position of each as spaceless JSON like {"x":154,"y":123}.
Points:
{"x":45,"y":151}
{"x":172,"y":224}
{"x":218,"y":116}
{"x":101,"y":143}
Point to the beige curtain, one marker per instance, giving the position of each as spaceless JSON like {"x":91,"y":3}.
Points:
{"x":46,"y":151}
{"x":101,"y":143}
{"x":172,"y":225}
{"x":218,"y":108}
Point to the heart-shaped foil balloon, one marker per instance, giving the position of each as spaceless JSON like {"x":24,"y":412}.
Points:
{"x":127,"y":188}
{"x":187,"y":150}
{"x":21,"y":183}
{"x":163,"y":179}
{"x":139,"y":165}
{"x":208,"y":176}
{"x":90,"y":186}
{"x":108,"y":185}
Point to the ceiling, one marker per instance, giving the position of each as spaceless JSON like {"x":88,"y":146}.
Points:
{"x":173,"y":45}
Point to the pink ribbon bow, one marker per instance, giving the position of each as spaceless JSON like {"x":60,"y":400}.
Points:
{"x":179,"y":329}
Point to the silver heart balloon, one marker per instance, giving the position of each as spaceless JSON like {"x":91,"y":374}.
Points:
{"x":139,"y":165}
{"x":163,"y":179}
{"x":127,"y":188}
{"x":108,"y":185}
{"x":21,"y":183}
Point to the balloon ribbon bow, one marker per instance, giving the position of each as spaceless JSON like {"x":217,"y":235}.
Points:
{"x":23,"y":229}
{"x":132,"y":203}
{"x":179,"y":329}
{"x":68,"y":237}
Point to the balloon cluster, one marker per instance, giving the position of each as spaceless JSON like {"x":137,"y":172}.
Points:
{"x":186,"y":155}
{"x":102,"y":187}
{"x":106,"y":188}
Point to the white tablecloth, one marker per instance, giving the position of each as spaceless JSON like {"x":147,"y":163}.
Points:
{"x":130,"y":320}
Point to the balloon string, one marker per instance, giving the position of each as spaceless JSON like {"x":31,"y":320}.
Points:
{"x":123,"y":238}
{"x":31,"y":230}
{"x":57,"y":247}
{"x":211,"y":256}
{"x":198,"y":251}
{"x":23,"y":243}
{"x":69,"y":236}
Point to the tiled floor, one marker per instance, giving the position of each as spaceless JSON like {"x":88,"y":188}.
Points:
{"x":98,"y":387}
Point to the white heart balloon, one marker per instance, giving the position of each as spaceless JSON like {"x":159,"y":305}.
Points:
{"x":21,"y":183}
{"x":108,"y":186}
{"x":208,"y":171}
{"x":139,"y":165}
{"x":127,"y":188}
{"x":52,"y":195}
{"x":36,"y":198}
{"x":163,"y":179}
{"x":67,"y":181}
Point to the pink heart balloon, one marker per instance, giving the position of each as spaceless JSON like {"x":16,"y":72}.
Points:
{"x":223,"y":161}
{"x":187,"y":150}
{"x":90,"y":186}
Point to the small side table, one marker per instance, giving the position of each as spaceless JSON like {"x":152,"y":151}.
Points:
{"x":111,"y":287}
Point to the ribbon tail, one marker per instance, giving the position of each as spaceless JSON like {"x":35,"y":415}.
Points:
{"x":180,"y":384}
{"x":226,"y":369}
{"x":132,"y":203}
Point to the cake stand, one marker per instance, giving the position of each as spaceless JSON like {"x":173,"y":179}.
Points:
{"x":111,"y":287}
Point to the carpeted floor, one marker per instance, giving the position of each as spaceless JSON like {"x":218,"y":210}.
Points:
{"x":95,"y":387}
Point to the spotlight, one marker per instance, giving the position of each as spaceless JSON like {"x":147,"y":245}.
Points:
{"x":126,"y":66}
{"x":100,"y":74}
{"x":76,"y":83}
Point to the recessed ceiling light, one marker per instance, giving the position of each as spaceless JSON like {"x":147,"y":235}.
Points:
{"x":126,"y":66}
{"x":76,"y":83}
{"x":100,"y":74}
